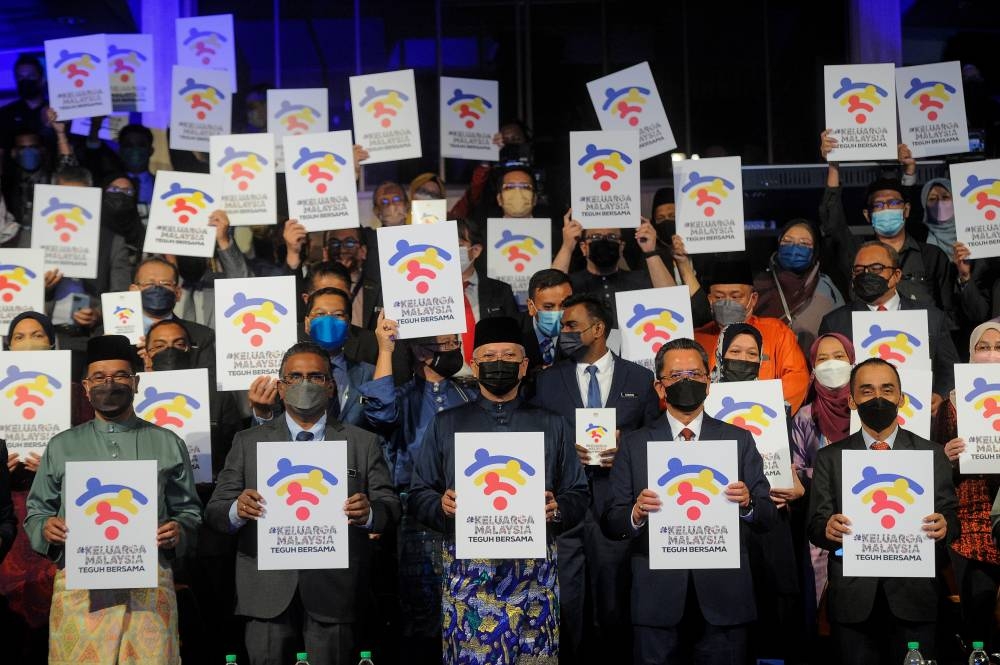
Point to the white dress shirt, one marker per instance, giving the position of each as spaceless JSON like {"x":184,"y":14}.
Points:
{"x":605,"y":372}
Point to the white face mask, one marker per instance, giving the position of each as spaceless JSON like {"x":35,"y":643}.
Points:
{"x":465,"y":258}
{"x":833,"y":373}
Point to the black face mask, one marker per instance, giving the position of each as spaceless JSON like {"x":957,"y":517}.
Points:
{"x":603,"y":253}
{"x":687,"y":394}
{"x":29,"y":88}
{"x":739,"y":370}
{"x":499,"y":377}
{"x":119,"y":212}
{"x":447,"y":363}
{"x":877,"y":413}
{"x":869,"y":288}
{"x":571,"y":344}
{"x":111,"y":399}
{"x":158,"y":300}
{"x":172,"y":358}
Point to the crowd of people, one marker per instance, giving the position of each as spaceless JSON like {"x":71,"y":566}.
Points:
{"x":518,"y":367}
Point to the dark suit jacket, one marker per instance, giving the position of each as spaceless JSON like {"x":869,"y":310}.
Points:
{"x":942,"y":348}
{"x":658,"y":596}
{"x":328,"y":595}
{"x":8,"y":521}
{"x":496,"y":298}
{"x":202,"y":343}
{"x":851,"y":598}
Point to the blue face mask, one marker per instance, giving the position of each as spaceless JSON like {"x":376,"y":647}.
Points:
{"x":794,"y":257}
{"x":29,"y":159}
{"x":887,"y":223}
{"x":328,"y":331}
{"x":549,"y":322}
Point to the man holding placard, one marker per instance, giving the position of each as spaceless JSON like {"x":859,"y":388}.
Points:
{"x":865,"y":610}
{"x":144,"y":621}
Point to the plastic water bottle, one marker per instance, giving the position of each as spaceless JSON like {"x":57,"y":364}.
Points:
{"x":366,"y":658}
{"x":302,"y":658}
{"x":978,"y":655}
{"x":913,"y":656}
{"x":231,"y":659}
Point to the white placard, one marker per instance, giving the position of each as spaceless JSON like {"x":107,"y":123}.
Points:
{"x":649,"y":318}
{"x":932,"y":109}
{"x":244,"y":164}
{"x":709,"y":204}
{"x":66,"y":225}
{"x":322,"y":192}
{"x":255,"y":325}
{"x":516,"y":249}
{"x":697,"y":527}
{"x":976,"y":196}
{"x":500,"y":490}
{"x":886,"y":495}
{"x":131,"y":67}
{"x":110,"y":126}
{"x":595,"y":431}
{"x":208,"y":41}
{"x":628,"y":100}
{"x":179,"y":401}
{"x":35,"y":393}
{"x":199,"y":108}
{"x":22,"y":283}
{"x":304,"y":486}
{"x":111,"y":519}
{"x":77,"y":74}
{"x":898,"y":337}
{"x":860,"y":105}
{"x":915,"y":410}
{"x":295,"y":111}
{"x":977,"y":404}
{"x":759,"y":408}
{"x":428,"y":211}
{"x":385,"y":115}
{"x":178,"y":214}
{"x":470,"y":116}
{"x":604,"y":179}
{"x":122,"y":314}
{"x":422,"y":279}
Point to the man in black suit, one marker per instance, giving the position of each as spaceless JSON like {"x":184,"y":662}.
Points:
{"x":319,"y":607}
{"x":686,"y":616}
{"x":873,"y":618}
{"x":590,"y":565}
{"x":877,"y":275}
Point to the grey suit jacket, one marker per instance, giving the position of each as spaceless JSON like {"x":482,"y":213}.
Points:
{"x":328,"y":595}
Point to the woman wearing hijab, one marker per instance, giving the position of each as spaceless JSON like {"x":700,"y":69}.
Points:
{"x":792,"y":288}
{"x":939,"y":214}
{"x":974,"y":554}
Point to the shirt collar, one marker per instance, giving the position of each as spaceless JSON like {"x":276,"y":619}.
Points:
{"x":339,"y":361}
{"x":892,"y":304}
{"x":130,"y":423}
{"x":472,"y":280}
{"x":317,"y":430}
{"x":603,"y":364}
{"x":869,"y":439}
{"x":676,"y":426}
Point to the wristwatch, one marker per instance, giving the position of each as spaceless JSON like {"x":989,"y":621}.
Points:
{"x":744,"y":512}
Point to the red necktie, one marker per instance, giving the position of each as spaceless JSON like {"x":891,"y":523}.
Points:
{"x":881,"y":308}
{"x":468,"y":337}
{"x":687,"y":434}
{"x":880,"y":445}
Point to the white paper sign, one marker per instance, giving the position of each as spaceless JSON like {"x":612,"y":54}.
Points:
{"x":322,"y":192}
{"x":66,"y":225}
{"x":428,"y":211}
{"x":385,"y":115}
{"x":22,"y":283}
{"x":199,"y":108}
{"x":422,"y":279}
{"x":516,"y":249}
{"x":178,"y":214}
{"x":304,"y":486}
{"x":861,"y":111}
{"x":697,"y":527}
{"x":915,"y":410}
{"x":977,"y":403}
{"x":295,"y":111}
{"x":595,"y":431}
{"x":759,"y":408}
{"x":500,"y":478}
{"x":255,"y":325}
{"x":932,"y":109}
{"x":179,"y":401}
{"x":976,"y":196}
{"x":111,"y":517}
{"x":131,"y":67}
{"x":122,"y":314}
{"x":244,"y":164}
{"x":709,"y":204}
{"x":470,"y":116}
{"x":604,"y":178}
{"x":628,"y":100}
{"x":110,"y":126}
{"x":77,"y":74}
{"x":35,"y":393}
{"x":208,"y":41}
{"x":649,"y":318}
{"x":898,"y":337}
{"x":886,"y":495}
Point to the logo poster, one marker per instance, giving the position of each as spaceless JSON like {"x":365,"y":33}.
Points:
{"x":470,"y":116}
{"x":595,"y":431}
{"x":244,"y":165}
{"x":66,"y":225}
{"x":208,"y":42}
{"x":649,"y":318}
{"x":899,"y":337}
{"x":22,"y":283}
{"x":178,"y":400}
{"x":628,"y":100}
{"x":516,"y":249}
{"x":179,"y":212}
{"x":385,"y":115}
{"x":977,"y":402}
{"x":293,"y":112}
{"x":77,"y":74}
{"x":131,"y":66}
{"x":860,"y":105}
{"x":709,"y":197}
{"x":123,"y":314}
{"x":932,"y":109}
{"x":604,"y":178}
{"x":319,"y":172}
{"x":35,"y":393}
{"x":199,"y":108}
{"x":976,"y":196}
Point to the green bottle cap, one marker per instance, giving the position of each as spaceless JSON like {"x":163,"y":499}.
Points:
{"x":302,"y":655}
{"x":913,"y":645}
{"x":231,"y":658}
{"x":366,"y":654}
{"x":977,"y":645}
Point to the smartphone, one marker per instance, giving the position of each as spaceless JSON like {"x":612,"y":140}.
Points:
{"x":78,"y":301}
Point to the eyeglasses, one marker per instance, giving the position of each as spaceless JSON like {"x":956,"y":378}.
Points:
{"x":295,"y":378}
{"x":696,"y":374}
{"x":117,"y":377}
{"x":160,"y":345}
{"x":114,"y":189}
{"x":386,"y":200}
{"x":316,"y":313}
{"x":169,"y":283}
{"x":597,"y":237}
{"x":337,"y":245}
{"x":506,"y":356}
{"x":871,"y":269}
{"x":891,"y":203}
{"x":802,"y":243}
{"x":986,"y":348}
{"x":517,"y":185}
{"x":443,"y":346}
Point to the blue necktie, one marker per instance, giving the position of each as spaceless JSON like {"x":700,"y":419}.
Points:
{"x":304,"y":436}
{"x":594,"y":389}
{"x":546,"y":347}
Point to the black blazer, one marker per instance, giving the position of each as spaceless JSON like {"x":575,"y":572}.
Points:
{"x":8,"y":521}
{"x":658,"y":596}
{"x":851,"y":598}
{"x":202,"y":342}
{"x":496,"y":298}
